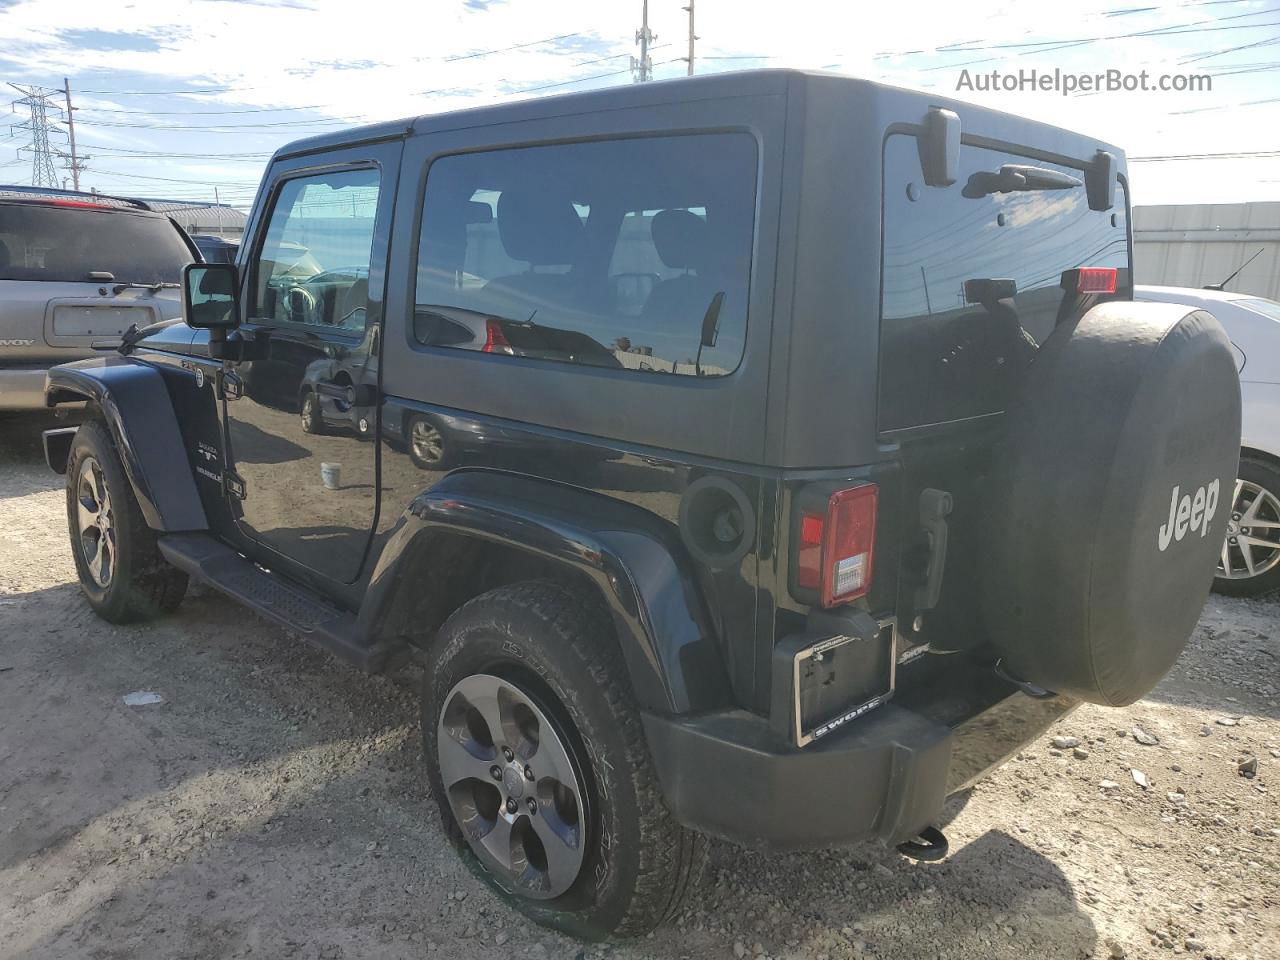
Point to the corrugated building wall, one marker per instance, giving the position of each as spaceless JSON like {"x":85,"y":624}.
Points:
{"x":1192,"y":245}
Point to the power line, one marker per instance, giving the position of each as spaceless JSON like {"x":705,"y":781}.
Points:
{"x":166,"y":93}
{"x":514,"y":46}
{"x":1233,"y":155}
{"x":205,"y":113}
{"x":1052,"y":45}
{"x":136,"y":176}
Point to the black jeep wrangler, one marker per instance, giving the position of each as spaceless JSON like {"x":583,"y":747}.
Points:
{"x":764,"y":455}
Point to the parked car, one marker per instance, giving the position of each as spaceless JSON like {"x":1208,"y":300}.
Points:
{"x":77,"y":270}
{"x":902,"y":474}
{"x":1250,"y":561}
{"x":216,"y":249}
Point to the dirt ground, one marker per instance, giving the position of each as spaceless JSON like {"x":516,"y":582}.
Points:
{"x":273,"y":806}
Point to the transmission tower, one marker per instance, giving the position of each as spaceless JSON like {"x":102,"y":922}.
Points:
{"x":39,"y":101}
{"x":642,"y":66}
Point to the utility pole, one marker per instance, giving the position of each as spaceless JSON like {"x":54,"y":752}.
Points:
{"x":76,"y":165}
{"x":39,"y":103}
{"x":692,"y":36}
{"x":642,"y":68}
{"x":218,"y":213}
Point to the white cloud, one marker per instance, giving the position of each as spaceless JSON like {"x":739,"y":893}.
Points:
{"x":378,"y":59}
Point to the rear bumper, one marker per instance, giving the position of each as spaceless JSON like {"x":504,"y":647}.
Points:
{"x":22,"y":388}
{"x":886,"y":777}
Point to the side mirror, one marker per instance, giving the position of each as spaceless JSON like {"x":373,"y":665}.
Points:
{"x":210,"y":296}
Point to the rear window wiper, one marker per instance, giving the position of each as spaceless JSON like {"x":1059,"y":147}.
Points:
{"x":1017,"y":178}
{"x":157,"y":285}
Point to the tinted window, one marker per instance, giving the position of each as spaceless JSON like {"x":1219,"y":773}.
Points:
{"x":68,"y":243}
{"x":614,"y":254}
{"x":972,"y":281}
{"x":314,"y":264}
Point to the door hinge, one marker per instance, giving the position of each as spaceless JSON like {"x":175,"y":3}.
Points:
{"x":234,"y":484}
{"x":230,"y":385}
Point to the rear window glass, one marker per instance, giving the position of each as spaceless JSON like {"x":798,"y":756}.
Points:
{"x":68,"y":243}
{"x":973,"y":280}
{"x":1268,"y":308}
{"x":629,"y":254}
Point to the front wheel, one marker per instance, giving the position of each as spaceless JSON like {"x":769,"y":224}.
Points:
{"x":540,"y":768}
{"x":310,"y":413}
{"x":122,"y":574}
{"x":1250,"y":562}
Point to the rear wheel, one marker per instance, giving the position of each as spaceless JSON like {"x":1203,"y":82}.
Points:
{"x":539,"y":765}
{"x":428,"y":447}
{"x":1250,"y":561}
{"x":122,"y":574}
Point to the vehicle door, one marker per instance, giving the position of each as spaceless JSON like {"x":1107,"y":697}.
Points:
{"x":301,"y":406}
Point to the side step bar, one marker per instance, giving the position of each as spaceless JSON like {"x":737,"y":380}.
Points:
{"x":291,"y":606}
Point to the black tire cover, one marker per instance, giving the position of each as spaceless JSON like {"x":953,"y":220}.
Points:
{"x":1111,"y":498}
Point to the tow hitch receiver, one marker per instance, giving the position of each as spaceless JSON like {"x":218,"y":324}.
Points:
{"x":929,"y":845}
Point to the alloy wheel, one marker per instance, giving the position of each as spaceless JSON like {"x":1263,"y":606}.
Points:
{"x":512,"y":786}
{"x":428,"y":444}
{"x":97,"y":535}
{"x":1252,"y":544}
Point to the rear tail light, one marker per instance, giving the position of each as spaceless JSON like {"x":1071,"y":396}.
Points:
{"x":836,"y":549}
{"x":1091,"y":280}
{"x":495,"y":341}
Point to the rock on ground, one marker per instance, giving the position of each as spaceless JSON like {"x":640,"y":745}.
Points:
{"x":273,"y":806}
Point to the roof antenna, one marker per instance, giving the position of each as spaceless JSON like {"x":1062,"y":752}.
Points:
{"x":1220,"y":287}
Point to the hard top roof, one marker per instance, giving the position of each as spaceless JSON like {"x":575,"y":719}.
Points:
{"x":738,"y":83}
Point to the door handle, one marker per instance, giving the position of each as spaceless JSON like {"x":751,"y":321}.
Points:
{"x":352,"y":394}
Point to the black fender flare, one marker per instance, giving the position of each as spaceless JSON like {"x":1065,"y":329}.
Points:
{"x":631,"y":556}
{"x":138,"y":411}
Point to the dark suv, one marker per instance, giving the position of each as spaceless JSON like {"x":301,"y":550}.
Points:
{"x":808,"y":457}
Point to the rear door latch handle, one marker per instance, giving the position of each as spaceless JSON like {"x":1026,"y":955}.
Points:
{"x":935,"y":507}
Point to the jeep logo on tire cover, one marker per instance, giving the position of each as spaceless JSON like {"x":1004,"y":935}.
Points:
{"x":1191,"y":513}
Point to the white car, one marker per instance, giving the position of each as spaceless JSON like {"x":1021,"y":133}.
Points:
{"x":1250,"y":563}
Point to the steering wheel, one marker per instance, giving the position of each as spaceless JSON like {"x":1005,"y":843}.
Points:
{"x":300,"y":303}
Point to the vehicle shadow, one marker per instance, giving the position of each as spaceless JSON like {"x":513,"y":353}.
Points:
{"x":274,"y":802}
{"x":20,"y":442}
{"x":992,"y":897}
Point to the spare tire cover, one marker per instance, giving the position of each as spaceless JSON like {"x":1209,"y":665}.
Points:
{"x":1110,"y":499}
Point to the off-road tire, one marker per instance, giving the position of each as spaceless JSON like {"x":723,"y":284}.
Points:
{"x":1266,"y":475}
{"x":558,"y":644}
{"x":143,"y":585}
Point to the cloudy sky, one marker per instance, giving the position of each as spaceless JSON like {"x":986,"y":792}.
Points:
{"x":175,"y":97}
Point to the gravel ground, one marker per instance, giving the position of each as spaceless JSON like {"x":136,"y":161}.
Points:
{"x":273,"y":806}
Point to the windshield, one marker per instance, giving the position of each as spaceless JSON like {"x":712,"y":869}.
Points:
{"x":39,"y":242}
{"x":974,"y":277}
{"x":1268,"y":308}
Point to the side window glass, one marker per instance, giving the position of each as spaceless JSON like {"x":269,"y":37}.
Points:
{"x":314,"y":265}
{"x":630,"y":254}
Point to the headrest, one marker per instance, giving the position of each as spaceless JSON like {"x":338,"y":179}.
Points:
{"x":680,"y":238}
{"x":538,"y":228}
{"x":355,"y":297}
